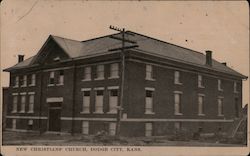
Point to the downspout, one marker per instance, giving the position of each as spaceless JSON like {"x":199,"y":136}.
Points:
{"x":73,"y":99}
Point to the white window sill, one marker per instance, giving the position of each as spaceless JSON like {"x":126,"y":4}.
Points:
{"x":32,"y":85}
{"x":85,"y":112}
{"x":23,"y":86}
{"x":98,"y":112}
{"x":149,"y":79}
{"x":13,"y":111}
{"x":112,"y":112}
{"x":60,"y":84}
{"x":201,"y":114}
{"x":149,"y":113}
{"x":220,"y":90}
{"x":113,"y":77}
{"x":86,"y":80}
{"x":50,"y":85}
{"x":236,"y":92}
{"x":201,"y":86}
{"x":22,"y":112}
{"x":30,"y":112}
{"x":101,"y":78}
{"x":178,"y":114}
{"x":178,"y":83}
{"x":15,"y":86}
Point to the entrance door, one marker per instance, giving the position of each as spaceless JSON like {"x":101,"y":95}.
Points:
{"x":54,"y":119}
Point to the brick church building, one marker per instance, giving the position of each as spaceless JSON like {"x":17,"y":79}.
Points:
{"x":74,"y":86}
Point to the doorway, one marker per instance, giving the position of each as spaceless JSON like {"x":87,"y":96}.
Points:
{"x":54,"y":117}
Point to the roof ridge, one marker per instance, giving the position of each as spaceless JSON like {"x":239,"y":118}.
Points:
{"x":99,"y":37}
{"x":164,"y":42}
{"x":64,"y":38}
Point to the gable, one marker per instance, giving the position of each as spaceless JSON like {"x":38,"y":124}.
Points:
{"x":50,"y":52}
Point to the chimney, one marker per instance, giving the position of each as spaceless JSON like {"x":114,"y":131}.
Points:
{"x":224,"y":63}
{"x":20,"y":58}
{"x":208,"y":57}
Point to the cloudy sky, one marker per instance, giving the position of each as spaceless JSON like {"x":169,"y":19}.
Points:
{"x":222,"y":27}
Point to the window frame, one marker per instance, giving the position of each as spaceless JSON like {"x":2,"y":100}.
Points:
{"x":31,"y":105}
{"x":179,"y":104}
{"x":149,"y":110}
{"x":117,"y":70}
{"x":86,"y":109}
{"x":98,"y":71}
{"x":86,"y":72}
{"x":99,"y":111}
{"x":220,"y":106}
{"x":200,"y":81}
{"x":177,"y":77}
{"x":149,"y":76}
{"x":202,"y":104}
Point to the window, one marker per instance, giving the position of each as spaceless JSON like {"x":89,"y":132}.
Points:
{"x":235,"y":87}
{"x":200,"y":82}
{"x":149,"y":101}
{"x":87,"y":73}
{"x":112,"y":128}
{"x":16,"y":82}
{"x":114,"y":70}
{"x":177,"y":103}
{"x":31,"y":104}
{"x":148,"y":129}
{"x":86,"y":101}
{"x":15,"y":99}
{"x":100,"y":72}
{"x":177,"y":77}
{"x":113,"y":100}
{"x":13,"y":123}
{"x":177,"y":126}
{"x":149,"y":72}
{"x":23,"y":100}
{"x":201,"y":104}
{"x":52,"y":78}
{"x":220,"y":106}
{"x":61,"y":77}
{"x":219,"y":86}
{"x":33,"y":80}
{"x":30,"y":122}
{"x":99,"y":101}
{"x":23,"y":81}
{"x":85,"y":127}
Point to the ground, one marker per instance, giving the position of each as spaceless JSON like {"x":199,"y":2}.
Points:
{"x":21,"y":138}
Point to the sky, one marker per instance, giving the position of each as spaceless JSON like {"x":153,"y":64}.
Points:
{"x":220,"y":26}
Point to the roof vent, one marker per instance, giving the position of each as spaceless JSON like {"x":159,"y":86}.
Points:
{"x":20,"y":58}
{"x":208,"y":57}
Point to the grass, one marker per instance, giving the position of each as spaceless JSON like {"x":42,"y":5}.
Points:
{"x":20,"y":138}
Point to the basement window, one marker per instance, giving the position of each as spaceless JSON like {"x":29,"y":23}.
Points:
{"x":85,"y":127}
{"x":112,"y":128}
{"x":148,"y":129}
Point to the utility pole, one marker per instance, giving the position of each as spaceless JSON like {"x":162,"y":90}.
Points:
{"x":122,"y":73}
